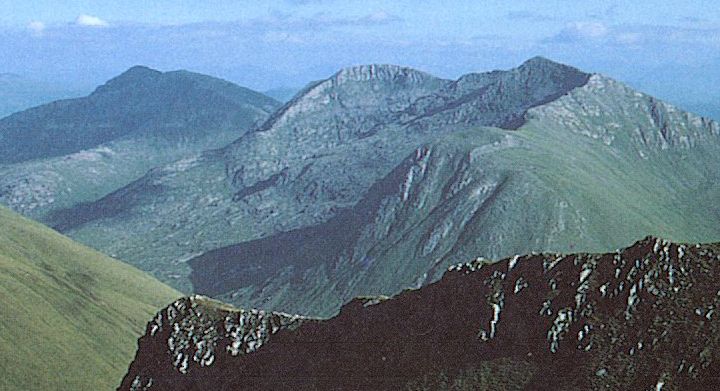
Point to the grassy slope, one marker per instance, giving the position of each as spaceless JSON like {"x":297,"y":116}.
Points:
{"x":70,"y":315}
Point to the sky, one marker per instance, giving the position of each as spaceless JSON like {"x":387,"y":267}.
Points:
{"x":668,"y":48}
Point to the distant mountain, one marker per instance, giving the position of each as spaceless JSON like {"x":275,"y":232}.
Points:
{"x":642,"y":318}
{"x":78,"y":150}
{"x":139,"y":103}
{"x":282,"y":94}
{"x":70,"y":315}
{"x":379,"y":177}
{"x":18,"y":93}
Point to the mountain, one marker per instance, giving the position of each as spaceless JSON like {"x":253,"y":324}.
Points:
{"x":72,"y":151}
{"x":18,"y":93}
{"x":379,"y":177}
{"x":640,"y":318}
{"x":555,"y":184}
{"x":70,"y":315}
{"x":316,"y":154}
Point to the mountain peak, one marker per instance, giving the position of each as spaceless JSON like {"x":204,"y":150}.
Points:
{"x":403,"y":85}
{"x":544,"y":64}
{"x":136,"y":74}
{"x":138,"y":102}
{"x":140,"y":70}
{"x":541,"y":61}
{"x":379,"y":72}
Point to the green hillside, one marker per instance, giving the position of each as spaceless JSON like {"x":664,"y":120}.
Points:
{"x":70,"y":315}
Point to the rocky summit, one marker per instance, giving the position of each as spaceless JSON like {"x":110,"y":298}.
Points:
{"x":641,"y":318}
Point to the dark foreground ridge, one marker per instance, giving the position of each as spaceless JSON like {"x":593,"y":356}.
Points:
{"x":642,"y":318}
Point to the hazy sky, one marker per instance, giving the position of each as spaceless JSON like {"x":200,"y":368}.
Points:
{"x":668,"y":48}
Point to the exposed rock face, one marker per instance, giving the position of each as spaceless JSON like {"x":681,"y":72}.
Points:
{"x":79,"y":150}
{"x":641,"y":318}
{"x":197,"y":331}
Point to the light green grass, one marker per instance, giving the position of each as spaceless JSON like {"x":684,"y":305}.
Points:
{"x":69,"y":316}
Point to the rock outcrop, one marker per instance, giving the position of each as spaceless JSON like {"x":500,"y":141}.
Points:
{"x":641,"y":318}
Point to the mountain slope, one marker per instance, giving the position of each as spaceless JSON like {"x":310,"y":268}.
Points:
{"x":70,"y":315}
{"x":640,"y":318}
{"x":18,"y":93}
{"x":78,"y":150}
{"x":316,"y":155}
{"x":379,"y":178}
{"x":601,"y":156}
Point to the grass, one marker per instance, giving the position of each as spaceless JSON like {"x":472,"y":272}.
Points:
{"x":70,"y":315}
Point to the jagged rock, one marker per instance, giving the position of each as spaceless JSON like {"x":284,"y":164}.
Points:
{"x":640,"y":318}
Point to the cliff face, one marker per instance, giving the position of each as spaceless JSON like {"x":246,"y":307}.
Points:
{"x":641,"y":318}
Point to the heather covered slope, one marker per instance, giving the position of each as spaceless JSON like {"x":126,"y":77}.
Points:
{"x":70,"y":315}
{"x":72,"y":151}
{"x":640,"y":318}
{"x":317,"y":155}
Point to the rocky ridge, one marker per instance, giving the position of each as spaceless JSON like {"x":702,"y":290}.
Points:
{"x":643,"y":318}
